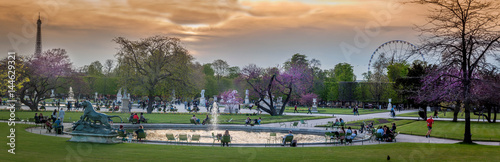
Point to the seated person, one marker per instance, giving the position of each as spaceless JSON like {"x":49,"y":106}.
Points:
{"x":380,"y":130}
{"x":284,"y":137}
{"x":337,"y":123}
{"x":131,"y":117}
{"x":386,"y":133}
{"x":42,"y":118}
{"x":354,"y":134}
{"x":123,"y":131}
{"x":196,"y":120}
{"x":48,"y":125}
{"x":136,"y":117}
{"x":259,"y":120}
{"x":58,"y":124}
{"x":206,"y":120}
{"x":110,"y":121}
{"x":248,"y":121}
{"x":37,"y":120}
{"x":142,"y":118}
{"x":393,"y":127}
{"x":348,"y":138}
{"x":226,"y":134}
{"x":172,"y":108}
{"x":341,"y":121}
{"x":342,"y":134}
{"x":140,"y":130}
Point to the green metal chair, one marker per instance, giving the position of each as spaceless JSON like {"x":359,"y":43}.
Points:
{"x":135,"y":121}
{"x":225,"y":139}
{"x":183,"y":137}
{"x":302,"y":122}
{"x":348,"y":135}
{"x":123,"y":135}
{"x":141,"y":135}
{"x":329,"y":136}
{"x":195,"y":137}
{"x":272,"y":137}
{"x":193,"y":121}
{"x":171,"y":137}
{"x":215,"y":138}
{"x":378,"y":136}
{"x":288,"y":139}
{"x":294,"y":124}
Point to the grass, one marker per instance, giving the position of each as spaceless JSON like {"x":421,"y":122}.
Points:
{"x":454,"y":130}
{"x":32,"y":146}
{"x":377,"y":122}
{"x":178,"y":118}
{"x":448,"y":115}
{"x":336,"y":110}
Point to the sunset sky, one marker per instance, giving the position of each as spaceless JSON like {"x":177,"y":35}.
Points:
{"x":263,"y":32}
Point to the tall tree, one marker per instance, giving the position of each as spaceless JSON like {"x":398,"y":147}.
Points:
{"x":46,"y":71}
{"x":18,"y":66}
{"x":463,"y":32}
{"x":147,"y":63}
{"x":270,"y":83}
{"x":220,"y":68}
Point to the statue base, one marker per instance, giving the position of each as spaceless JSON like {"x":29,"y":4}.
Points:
{"x":314,"y":109}
{"x":94,"y":138}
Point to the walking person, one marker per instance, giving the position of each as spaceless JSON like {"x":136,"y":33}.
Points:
{"x":295,"y":110}
{"x":430,"y":121}
{"x":309,"y":110}
{"x":61,"y":115}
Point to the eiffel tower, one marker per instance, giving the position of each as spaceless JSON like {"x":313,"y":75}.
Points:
{"x":38,"y":48}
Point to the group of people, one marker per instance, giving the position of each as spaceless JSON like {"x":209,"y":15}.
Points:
{"x":139,"y":119}
{"x":55,"y":120}
{"x":248,"y":121}
{"x":386,"y":132}
{"x":345,"y":135}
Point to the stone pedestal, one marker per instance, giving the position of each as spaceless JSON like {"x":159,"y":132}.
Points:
{"x":314,"y":106}
{"x":202,"y":102}
{"x":94,"y":138}
{"x":125,"y":108}
{"x":389,"y":106}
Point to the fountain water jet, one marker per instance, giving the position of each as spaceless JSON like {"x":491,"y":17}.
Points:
{"x":215,"y":116}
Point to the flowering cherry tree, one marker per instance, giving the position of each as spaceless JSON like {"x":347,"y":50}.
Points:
{"x":45,"y":72}
{"x":231,"y":99}
{"x":274,"y":82}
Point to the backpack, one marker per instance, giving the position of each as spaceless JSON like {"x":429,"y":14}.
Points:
{"x":294,"y":143}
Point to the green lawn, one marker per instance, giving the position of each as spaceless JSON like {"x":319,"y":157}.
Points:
{"x":441,"y":115}
{"x":32,"y":146}
{"x":377,"y":122}
{"x":178,"y":118}
{"x":336,"y":110}
{"x":454,"y":130}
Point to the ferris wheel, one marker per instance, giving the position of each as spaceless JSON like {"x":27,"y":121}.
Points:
{"x":396,"y":51}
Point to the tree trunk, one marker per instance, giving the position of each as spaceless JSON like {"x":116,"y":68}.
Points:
{"x":150,"y":104}
{"x":467,"y":134}
{"x":456,"y":111}
{"x":495,"y":114}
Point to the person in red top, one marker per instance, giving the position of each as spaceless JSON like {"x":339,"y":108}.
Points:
{"x":136,"y":117}
{"x":429,"y":126}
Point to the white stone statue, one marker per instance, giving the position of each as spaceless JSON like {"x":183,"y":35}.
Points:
{"x":119,"y":95}
{"x":202,"y":98}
